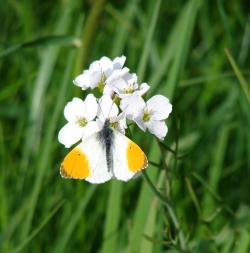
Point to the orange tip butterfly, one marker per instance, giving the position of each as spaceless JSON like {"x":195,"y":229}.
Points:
{"x":104,"y":155}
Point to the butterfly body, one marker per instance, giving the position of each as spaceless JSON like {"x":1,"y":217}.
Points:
{"x":104,"y":155}
{"x":106,"y":137}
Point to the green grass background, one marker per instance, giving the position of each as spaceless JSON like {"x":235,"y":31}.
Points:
{"x":195,"y":199}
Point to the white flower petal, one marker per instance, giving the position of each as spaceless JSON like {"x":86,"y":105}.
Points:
{"x":122,"y":125}
{"x":132,"y":105}
{"x":100,"y":123}
{"x":91,"y":107}
{"x":144,"y":87}
{"x":70,"y":134}
{"x":132,"y":79}
{"x":117,"y":74}
{"x":108,"y":91}
{"x":74,"y":109}
{"x":91,"y":128}
{"x":122,"y":82}
{"x":95,"y":66}
{"x":160,"y":107}
{"x":121,"y":129}
{"x":140,"y":123}
{"x":158,"y":128}
{"x":95,"y":78}
{"x":107,"y":108}
{"x":90,"y":78}
{"x":122,"y":116}
{"x":118,"y":62}
{"x":83,"y":80}
{"x":119,"y":85}
{"x":106,"y":65}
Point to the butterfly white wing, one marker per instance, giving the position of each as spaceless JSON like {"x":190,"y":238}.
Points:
{"x":128,"y":158}
{"x":87,"y":161}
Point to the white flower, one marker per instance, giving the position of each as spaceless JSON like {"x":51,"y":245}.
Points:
{"x":132,"y":105}
{"x":98,"y":72}
{"x":108,"y":110}
{"x":124,"y":83}
{"x":80,"y":115}
{"x":152,"y":116}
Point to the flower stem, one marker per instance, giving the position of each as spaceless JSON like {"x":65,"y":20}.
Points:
{"x":171,"y":211}
{"x":162,"y":144}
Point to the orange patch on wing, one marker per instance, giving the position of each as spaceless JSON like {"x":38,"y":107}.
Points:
{"x":75,"y":165}
{"x":135,"y":157}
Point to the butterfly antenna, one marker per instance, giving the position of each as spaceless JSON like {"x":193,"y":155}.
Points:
{"x":111,"y":107}
{"x":105,"y":118}
{"x":98,"y":100}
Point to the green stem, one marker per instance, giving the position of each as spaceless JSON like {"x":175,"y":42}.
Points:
{"x":171,"y":211}
{"x":166,"y":147}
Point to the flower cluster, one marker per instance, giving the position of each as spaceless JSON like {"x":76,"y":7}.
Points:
{"x":121,"y":99}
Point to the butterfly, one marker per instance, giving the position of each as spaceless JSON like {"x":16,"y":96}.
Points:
{"x":104,"y":155}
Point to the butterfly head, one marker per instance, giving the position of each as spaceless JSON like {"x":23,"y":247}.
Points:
{"x":107,"y":123}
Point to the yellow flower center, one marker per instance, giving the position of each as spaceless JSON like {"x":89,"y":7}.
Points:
{"x":82,"y":122}
{"x":146,"y":116}
{"x":101,"y":83}
{"x":114,"y":124}
{"x":129,"y":89}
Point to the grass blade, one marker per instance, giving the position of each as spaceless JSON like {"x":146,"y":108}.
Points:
{"x":112,"y":218}
{"x":148,"y":41}
{"x":241,"y":78}
{"x":47,"y":144}
{"x":243,"y":246}
{"x":182,"y":46}
{"x":215,"y":171}
{"x":39,"y":228}
{"x":74,"y":219}
{"x":60,"y":40}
